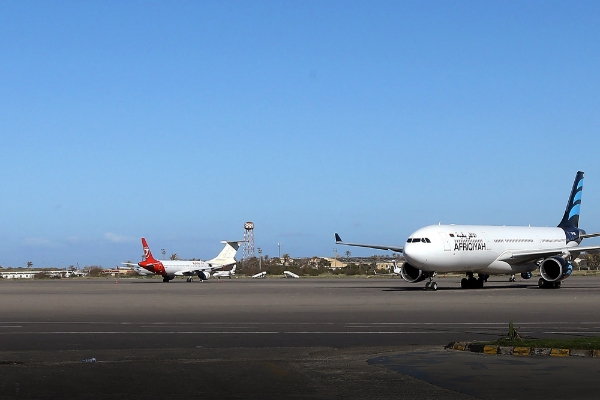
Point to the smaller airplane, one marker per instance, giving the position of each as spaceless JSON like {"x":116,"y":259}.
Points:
{"x":169,"y":269}
{"x":141,"y":271}
{"x":288,"y":274}
{"x":260,"y":275}
{"x":225,"y":274}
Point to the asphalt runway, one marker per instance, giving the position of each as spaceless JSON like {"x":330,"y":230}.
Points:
{"x":274,"y":338}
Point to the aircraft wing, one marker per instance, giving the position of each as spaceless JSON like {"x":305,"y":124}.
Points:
{"x":191,"y":271}
{"x":130,"y":264}
{"x":338,"y":240}
{"x":518,"y":257}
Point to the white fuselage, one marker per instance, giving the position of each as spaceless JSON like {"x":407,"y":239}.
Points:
{"x":473,"y":248}
{"x":174,"y":267}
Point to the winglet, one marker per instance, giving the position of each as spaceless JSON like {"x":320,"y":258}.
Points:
{"x":338,"y":239}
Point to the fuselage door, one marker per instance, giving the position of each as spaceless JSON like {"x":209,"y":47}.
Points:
{"x":446,"y":240}
{"x":488,"y":243}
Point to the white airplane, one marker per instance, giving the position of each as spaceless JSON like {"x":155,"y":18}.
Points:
{"x":485,"y":250}
{"x":260,"y":275}
{"x":139,"y":270}
{"x":288,"y":274}
{"x":169,"y":269}
{"x":225,"y":274}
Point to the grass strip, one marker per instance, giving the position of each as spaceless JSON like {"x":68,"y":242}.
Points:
{"x":581,"y":343}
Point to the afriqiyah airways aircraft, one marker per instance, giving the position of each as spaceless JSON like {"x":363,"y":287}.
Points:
{"x":169,"y":269}
{"x":485,"y":250}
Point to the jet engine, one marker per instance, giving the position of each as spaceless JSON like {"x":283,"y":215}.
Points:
{"x":555,"y":269}
{"x":412,"y":274}
{"x":204,"y":275}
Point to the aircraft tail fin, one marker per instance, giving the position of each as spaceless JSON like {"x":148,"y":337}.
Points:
{"x":227,"y":255}
{"x":147,"y":253}
{"x":571,"y":217}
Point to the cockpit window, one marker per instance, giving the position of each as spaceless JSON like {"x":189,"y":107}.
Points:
{"x":427,"y":240}
{"x":416,"y":240}
{"x":409,"y":240}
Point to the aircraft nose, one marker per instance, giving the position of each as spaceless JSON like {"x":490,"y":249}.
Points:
{"x":415,"y":254}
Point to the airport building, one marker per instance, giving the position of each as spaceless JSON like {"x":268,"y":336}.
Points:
{"x":30,"y":274}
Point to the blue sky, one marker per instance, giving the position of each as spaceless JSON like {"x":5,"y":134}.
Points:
{"x":179,"y":121}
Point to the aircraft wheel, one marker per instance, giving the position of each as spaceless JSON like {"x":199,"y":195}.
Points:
{"x":464,"y":283}
{"x":427,"y":285}
{"x":166,"y":279}
{"x":433,"y":286}
{"x":480,"y":283}
{"x":542,"y":283}
{"x":472,"y":283}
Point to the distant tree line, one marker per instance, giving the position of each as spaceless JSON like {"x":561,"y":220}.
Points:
{"x":311,"y":266}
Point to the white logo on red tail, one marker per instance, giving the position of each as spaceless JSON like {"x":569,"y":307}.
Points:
{"x":146,"y":252}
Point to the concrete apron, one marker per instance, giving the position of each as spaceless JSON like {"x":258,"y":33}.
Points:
{"x":498,"y":376}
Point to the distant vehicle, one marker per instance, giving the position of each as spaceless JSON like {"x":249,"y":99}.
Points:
{"x":485,"y":250}
{"x":288,"y":274}
{"x":75,"y":273}
{"x":169,"y":269}
{"x":260,"y":275}
{"x":225,"y":274}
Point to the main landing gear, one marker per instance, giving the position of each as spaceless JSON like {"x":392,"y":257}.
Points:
{"x":512,"y":278}
{"x":544,"y":284}
{"x":189,"y":280}
{"x":470,"y":282}
{"x":431,"y":285}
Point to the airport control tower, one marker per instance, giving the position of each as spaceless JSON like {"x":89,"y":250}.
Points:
{"x":248,"y":241}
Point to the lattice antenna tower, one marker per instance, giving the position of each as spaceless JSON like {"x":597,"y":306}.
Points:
{"x":248,"y":240}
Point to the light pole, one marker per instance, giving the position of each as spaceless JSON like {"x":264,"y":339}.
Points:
{"x":279,"y":249}
{"x":259,"y":259}
{"x":335,"y":257}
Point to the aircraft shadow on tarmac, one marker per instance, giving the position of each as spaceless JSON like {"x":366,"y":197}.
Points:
{"x":454,"y":288}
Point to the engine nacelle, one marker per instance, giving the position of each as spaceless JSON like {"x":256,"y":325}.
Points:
{"x":526,"y":275}
{"x":412,"y":274}
{"x":204,"y":275}
{"x":555,"y":269}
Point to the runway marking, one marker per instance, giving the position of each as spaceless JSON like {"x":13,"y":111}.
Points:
{"x":220,"y":333}
{"x":296,"y":323}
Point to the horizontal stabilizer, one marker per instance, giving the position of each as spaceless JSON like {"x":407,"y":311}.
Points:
{"x":589,"y":235}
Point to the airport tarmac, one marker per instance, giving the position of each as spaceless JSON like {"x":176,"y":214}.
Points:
{"x":286,"y":338}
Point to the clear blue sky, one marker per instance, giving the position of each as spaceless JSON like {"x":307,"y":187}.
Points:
{"x":181,"y":120}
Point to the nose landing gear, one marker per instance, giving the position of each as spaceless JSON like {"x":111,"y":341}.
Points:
{"x":431,"y":285}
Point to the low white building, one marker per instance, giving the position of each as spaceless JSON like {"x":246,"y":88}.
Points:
{"x":27,"y":274}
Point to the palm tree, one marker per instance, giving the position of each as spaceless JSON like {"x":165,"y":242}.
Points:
{"x":29,"y":264}
{"x":286,"y":259}
{"x":348,"y":254}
